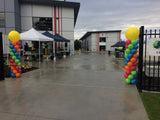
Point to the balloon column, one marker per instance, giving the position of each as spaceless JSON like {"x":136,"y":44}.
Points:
{"x":131,"y":55}
{"x":15,"y":55}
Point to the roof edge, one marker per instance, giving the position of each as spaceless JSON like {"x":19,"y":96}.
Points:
{"x":90,"y":32}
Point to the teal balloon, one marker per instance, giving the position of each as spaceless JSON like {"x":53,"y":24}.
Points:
{"x":133,"y":51}
{"x":17,"y":61}
{"x":11,"y":53}
{"x":130,"y":77}
{"x":134,"y":73}
{"x":130,"y":55}
{"x":14,"y":57}
{"x":134,"y":42}
{"x":133,"y":81}
{"x":128,"y":51}
{"x":130,"y":46}
{"x":128,"y":81}
{"x":17,"y":54}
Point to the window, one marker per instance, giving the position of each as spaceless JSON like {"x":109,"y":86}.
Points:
{"x":42,"y":23}
{"x":2,"y":20}
{"x":102,"y":39}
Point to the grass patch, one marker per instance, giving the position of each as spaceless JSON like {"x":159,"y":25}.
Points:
{"x":152,"y":105}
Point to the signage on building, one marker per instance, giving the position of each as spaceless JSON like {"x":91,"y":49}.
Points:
{"x":154,"y":47}
{"x":102,"y":43}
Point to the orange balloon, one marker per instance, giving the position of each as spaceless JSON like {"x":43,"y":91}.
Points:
{"x":130,"y":64}
{"x":18,"y":50}
{"x":13,"y":43}
{"x":16,"y":47}
{"x":135,"y":55}
{"x":18,"y":74}
{"x":127,"y":67}
{"x":133,"y":60}
{"x":12,"y":68}
{"x":14,"y":71}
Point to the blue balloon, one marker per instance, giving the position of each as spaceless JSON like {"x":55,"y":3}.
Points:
{"x":11,"y":71}
{"x":126,"y":63}
{"x":135,"y":77}
{"x":21,"y":47}
{"x":133,"y":51}
{"x":19,"y":57}
{"x":133,"y":81}
{"x":10,"y":43}
{"x":16,"y":54}
{"x":127,"y":59}
{"x":14,"y":50}
{"x":13,"y":75}
{"x":11,"y":46}
{"x":130,"y":55}
{"x":136,"y":47}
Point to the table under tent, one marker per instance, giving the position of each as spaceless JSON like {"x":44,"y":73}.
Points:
{"x":61,"y":44}
{"x":119,"y":49}
{"x":35,"y":36}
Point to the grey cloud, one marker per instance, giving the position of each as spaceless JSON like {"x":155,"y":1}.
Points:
{"x":117,"y":14}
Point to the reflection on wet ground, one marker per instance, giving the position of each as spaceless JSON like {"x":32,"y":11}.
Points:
{"x":86,"y":87}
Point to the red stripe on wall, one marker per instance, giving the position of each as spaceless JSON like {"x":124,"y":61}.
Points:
{"x":61,"y":22}
{"x":55,"y":24}
{"x":55,"y":27}
{"x":58,"y":22}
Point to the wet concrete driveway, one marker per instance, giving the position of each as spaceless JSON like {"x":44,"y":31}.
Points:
{"x":86,"y":87}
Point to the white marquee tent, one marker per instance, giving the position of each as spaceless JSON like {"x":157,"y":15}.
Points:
{"x":33,"y":35}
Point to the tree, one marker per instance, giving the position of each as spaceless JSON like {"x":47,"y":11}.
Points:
{"x":77,"y":44}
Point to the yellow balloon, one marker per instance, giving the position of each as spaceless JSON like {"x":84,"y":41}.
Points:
{"x":132,"y":33}
{"x":14,"y":36}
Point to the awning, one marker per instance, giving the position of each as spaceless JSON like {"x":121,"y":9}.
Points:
{"x":33,"y":35}
{"x":58,"y":37}
{"x":119,"y":44}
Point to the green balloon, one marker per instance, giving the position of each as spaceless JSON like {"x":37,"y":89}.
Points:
{"x":133,"y":73}
{"x":134,"y":42}
{"x":128,"y":51}
{"x":11,"y":53}
{"x":126,"y":55}
{"x":17,"y":61}
{"x":14,"y":57}
{"x":19,"y":64}
{"x":128,"y":81}
{"x":130,"y":46}
{"x":10,"y":50}
{"x":130,"y":77}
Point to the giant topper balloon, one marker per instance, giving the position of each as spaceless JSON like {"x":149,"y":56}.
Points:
{"x":132,"y":33}
{"x":131,"y":55}
{"x":15,"y":55}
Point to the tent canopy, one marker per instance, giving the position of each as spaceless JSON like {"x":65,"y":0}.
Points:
{"x":119,"y":44}
{"x":57,"y":36}
{"x":33,"y":35}
{"x":48,"y":34}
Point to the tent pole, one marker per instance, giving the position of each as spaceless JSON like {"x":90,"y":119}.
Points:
{"x":39,"y":52}
{"x":54,"y":51}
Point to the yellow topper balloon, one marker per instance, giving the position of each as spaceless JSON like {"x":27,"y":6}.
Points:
{"x":14,"y":36}
{"x":132,"y":33}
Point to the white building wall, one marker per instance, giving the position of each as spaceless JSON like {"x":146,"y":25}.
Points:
{"x":94,"y":41}
{"x":111,"y":39}
{"x":66,"y":17}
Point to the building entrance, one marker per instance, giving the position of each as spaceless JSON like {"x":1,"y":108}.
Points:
{"x":102,"y":48}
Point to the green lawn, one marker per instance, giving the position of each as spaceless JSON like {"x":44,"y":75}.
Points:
{"x":152,"y":105}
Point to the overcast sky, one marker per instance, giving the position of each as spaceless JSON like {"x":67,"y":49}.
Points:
{"x":116,"y":15}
